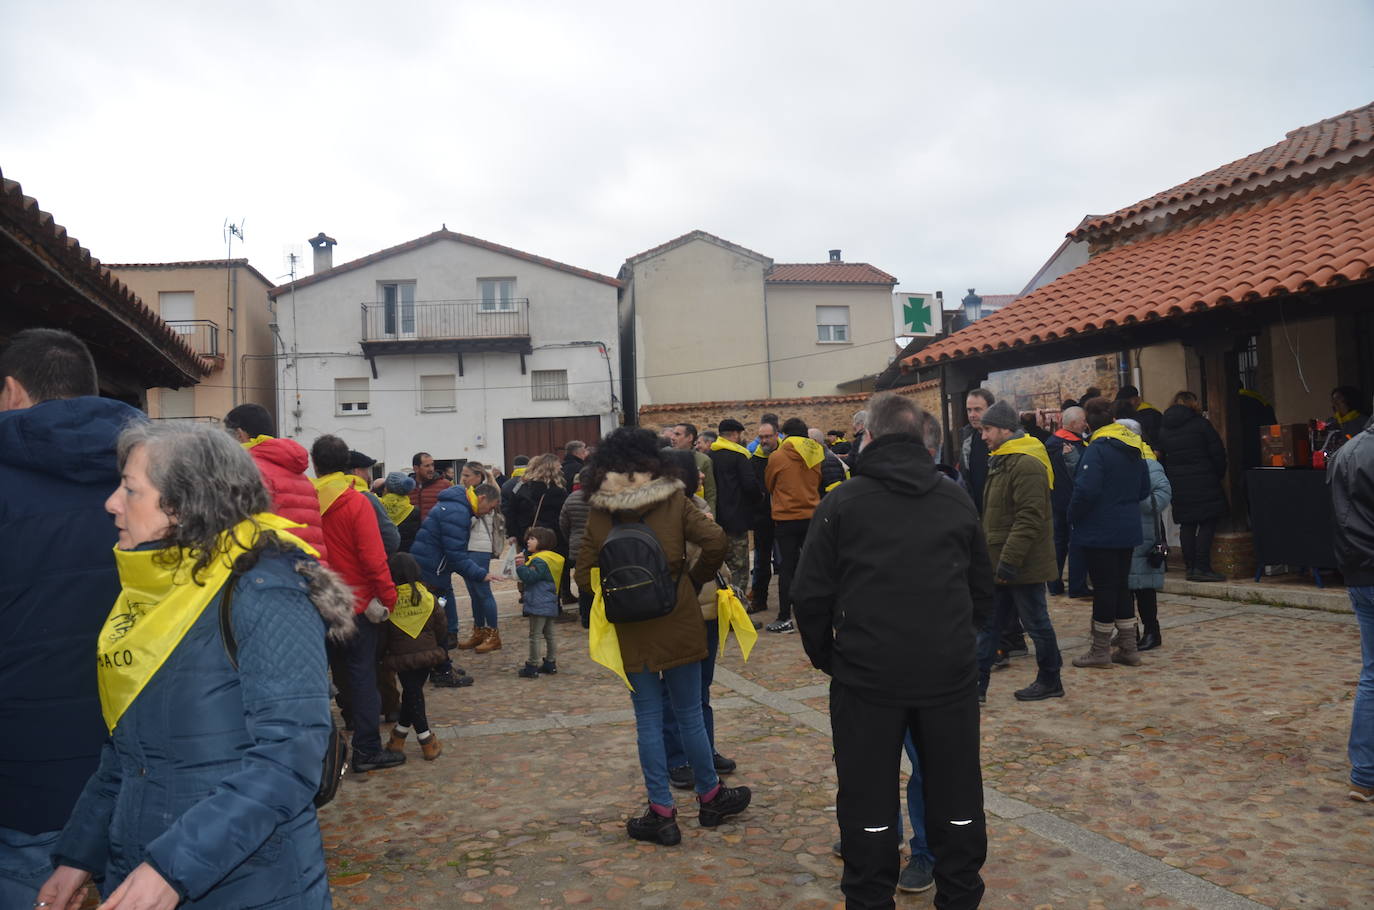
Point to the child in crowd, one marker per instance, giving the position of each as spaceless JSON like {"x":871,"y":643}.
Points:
{"x":414,"y":645}
{"x":540,"y":573}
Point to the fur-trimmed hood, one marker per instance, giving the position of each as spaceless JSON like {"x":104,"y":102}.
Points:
{"x":332,"y":597}
{"x":636,"y":492}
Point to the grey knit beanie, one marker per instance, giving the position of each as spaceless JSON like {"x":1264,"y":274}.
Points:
{"x":1003,"y":416}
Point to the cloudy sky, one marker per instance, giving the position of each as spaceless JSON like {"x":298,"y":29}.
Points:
{"x":951,"y":144}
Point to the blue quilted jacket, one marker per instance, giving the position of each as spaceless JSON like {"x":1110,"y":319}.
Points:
{"x":1104,"y":508}
{"x":210,"y":774}
{"x":441,"y":546}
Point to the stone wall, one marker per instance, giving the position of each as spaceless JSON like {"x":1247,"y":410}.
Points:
{"x":1045,"y":386}
{"x":828,"y":412}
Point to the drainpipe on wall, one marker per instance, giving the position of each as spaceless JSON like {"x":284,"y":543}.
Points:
{"x":234,"y":329}
{"x":767,"y":341}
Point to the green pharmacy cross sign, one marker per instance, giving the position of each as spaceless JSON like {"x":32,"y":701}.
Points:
{"x":916,"y":315}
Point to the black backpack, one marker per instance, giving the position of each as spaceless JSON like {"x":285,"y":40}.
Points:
{"x":635,"y":582}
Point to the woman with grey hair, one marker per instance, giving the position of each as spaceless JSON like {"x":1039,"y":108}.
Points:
{"x":204,"y":792}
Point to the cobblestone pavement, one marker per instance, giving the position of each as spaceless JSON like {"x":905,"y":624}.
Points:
{"x":1211,"y":777}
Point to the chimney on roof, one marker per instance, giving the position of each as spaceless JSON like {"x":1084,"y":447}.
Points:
{"x":323,"y":246}
{"x":835,"y":256}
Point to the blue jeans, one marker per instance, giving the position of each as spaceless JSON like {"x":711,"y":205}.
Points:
{"x":672,"y":740}
{"x":915,"y":806}
{"x":483,"y":603}
{"x":450,"y":608}
{"x":25,"y":864}
{"x":683,"y":686}
{"x":1028,"y":602}
{"x":1362,"y":721}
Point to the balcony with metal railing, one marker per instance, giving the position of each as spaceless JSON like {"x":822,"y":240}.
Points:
{"x":458,"y":326}
{"x":201,"y":334}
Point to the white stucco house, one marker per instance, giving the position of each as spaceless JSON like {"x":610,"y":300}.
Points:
{"x":447,"y":344}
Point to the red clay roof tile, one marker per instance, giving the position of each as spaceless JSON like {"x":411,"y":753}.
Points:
{"x":1312,"y":237}
{"x":827,"y":273}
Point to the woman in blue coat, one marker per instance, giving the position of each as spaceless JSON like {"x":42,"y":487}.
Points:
{"x":1104,"y":512}
{"x":204,"y":793}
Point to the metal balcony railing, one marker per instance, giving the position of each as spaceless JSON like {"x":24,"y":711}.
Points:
{"x":201,"y":334}
{"x":446,"y":319}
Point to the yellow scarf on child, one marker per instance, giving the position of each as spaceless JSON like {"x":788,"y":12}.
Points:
{"x":158,"y":605}
{"x":411,"y":618}
{"x":397,"y":507}
{"x":555,"y":563}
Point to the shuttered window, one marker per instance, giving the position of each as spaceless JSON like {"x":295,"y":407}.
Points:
{"x":437,"y":393}
{"x":351,"y":396}
{"x":549,"y":385}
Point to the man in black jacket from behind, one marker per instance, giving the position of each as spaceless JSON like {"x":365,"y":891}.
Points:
{"x":893,"y":582}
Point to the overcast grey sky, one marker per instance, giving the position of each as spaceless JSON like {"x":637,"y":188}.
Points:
{"x":951,"y":144}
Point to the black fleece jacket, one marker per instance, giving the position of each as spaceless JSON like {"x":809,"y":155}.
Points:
{"x":895,"y":579}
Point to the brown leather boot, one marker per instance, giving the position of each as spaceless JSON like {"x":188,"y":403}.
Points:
{"x":1126,"y":651}
{"x":492,"y":642}
{"x":476,"y":638}
{"x":397,"y":742}
{"x":431,"y":748}
{"x":1100,"y":653}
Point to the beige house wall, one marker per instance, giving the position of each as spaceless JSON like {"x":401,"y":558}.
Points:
{"x":802,"y":365}
{"x":1163,"y":373}
{"x":699,"y":331}
{"x":1311,"y":343}
{"x":214,"y":395}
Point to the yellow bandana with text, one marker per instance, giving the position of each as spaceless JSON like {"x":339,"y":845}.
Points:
{"x":397,"y":507}
{"x":411,"y":618}
{"x":1027,"y":445}
{"x":809,"y":449}
{"x":158,"y":605}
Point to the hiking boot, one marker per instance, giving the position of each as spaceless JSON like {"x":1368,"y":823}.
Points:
{"x":916,"y":875}
{"x":492,"y":642}
{"x":1362,"y":794}
{"x":528,"y":671}
{"x":656,"y":828}
{"x":1099,"y":654}
{"x":449,"y":680}
{"x":378,"y":761}
{"x":1125,"y":652}
{"x":479,"y":635}
{"x":1040,"y":690}
{"x":681,"y":778}
{"x":723,"y":765}
{"x":431,"y":748}
{"x":548,"y":666}
{"x":728,"y":801}
{"x":782,"y":625}
{"x":396,"y":742}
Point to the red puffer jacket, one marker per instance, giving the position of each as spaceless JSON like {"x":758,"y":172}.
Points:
{"x":282,"y":463}
{"x":356,"y":551}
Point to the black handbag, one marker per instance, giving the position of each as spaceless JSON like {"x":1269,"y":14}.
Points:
{"x":1158,"y":554}
{"x":336,"y":753}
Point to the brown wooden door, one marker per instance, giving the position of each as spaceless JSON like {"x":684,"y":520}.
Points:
{"x":536,"y":435}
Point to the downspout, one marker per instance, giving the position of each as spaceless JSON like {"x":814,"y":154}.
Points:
{"x":234,"y":329}
{"x":767,"y":340}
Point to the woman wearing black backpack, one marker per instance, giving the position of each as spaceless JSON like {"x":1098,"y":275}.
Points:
{"x":628,"y":482}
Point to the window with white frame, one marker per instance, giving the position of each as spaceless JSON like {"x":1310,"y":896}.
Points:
{"x":398,"y":307}
{"x":498,"y":294}
{"x":352,"y":396}
{"x":549,"y":385}
{"x":176,"y":403}
{"x":832,"y":323}
{"x":437,"y":393}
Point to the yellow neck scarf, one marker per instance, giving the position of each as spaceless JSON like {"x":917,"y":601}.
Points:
{"x":1027,"y":445}
{"x":809,"y":449}
{"x":1119,"y":432}
{"x":1347,"y":416}
{"x":1251,"y":393}
{"x":358,"y":483}
{"x":516,"y":472}
{"x":256,"y":440}
{"x":555,"y":563}
{"x":724,"y":445}
{"x":411,"y":618}
{"x":397,"y":507}
{"x":331,"y":486}
{"x":472,"y":500}
{"x":158,"y":605}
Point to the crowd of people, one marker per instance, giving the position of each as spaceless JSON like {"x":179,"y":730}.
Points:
{"x":225,"y":616}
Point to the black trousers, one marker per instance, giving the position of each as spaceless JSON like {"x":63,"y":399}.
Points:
{"x":1109,"y":568}
{"x":364,"y":702}
{"x":868,"y":747}
{"x":790,"y":536}
{"x":413,"y":698}
{"x":1195,"y":539}
{"x":1147,"y":608}
{"x":763,"y":561}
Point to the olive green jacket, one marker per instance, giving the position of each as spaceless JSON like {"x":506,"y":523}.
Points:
{"x":1018,"y":520}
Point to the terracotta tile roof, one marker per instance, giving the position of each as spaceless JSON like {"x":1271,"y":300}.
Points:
{"x":697,"y":235}
{"x":192,"y":264}
{"x":1312,"y":237}
{"x":827,"y":273}
{"x":1339,"y":138}
{"x":442,"y":234}
{"x":96,"y":282}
